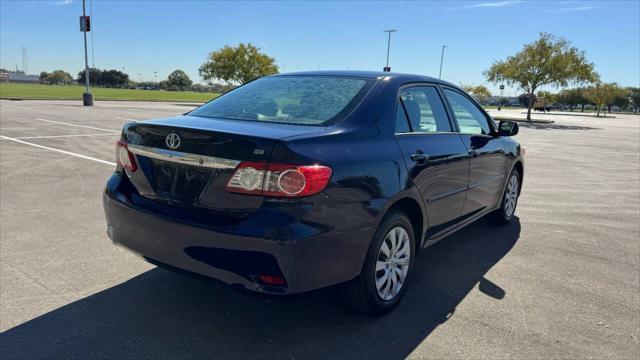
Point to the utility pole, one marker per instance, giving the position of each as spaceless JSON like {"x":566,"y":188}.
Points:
{"x":87,"y":97}
{"x":93,"y":58}
{"x":441,"y":61}
{"x":25,"y":62}
{"x":387,"y":68}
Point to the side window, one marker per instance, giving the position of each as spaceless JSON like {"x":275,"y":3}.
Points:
{"x":402,"y":124}
{"x":470,"y":119}
{"x":425,"y":110}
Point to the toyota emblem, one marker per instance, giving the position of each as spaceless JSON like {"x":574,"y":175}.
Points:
{"x":172,"y":141}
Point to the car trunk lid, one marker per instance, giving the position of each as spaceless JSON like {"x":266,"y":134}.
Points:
{"x":187,"y":161}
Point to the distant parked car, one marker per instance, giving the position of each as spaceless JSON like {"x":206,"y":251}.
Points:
{"x":301,"y":181}
{"x":541,"y":105}
{"x":555,"y":106}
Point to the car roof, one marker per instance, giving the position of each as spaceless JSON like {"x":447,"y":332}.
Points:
{"x":370,"y":75}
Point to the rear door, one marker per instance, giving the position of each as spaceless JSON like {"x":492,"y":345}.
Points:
{"x":486,"y":152}
{"x":434,"y":154}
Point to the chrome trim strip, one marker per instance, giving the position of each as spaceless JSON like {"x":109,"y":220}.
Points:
{"x":183,"y":158}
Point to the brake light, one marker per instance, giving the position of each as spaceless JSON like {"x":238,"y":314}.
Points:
{"x":280,"y":180}
{"x":272,"y":280}
{"x":125,"y":157}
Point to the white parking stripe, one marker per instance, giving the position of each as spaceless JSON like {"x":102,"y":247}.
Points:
{"x":76,"y":125}
{"x":58,"y":150}
{"x":58,"y":136}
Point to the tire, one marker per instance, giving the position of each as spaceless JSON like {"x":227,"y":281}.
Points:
{"x":509,"y":201}
{"x":363,"y":293}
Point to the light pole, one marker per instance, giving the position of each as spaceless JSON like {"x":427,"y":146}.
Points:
{"x":155,"y":76}
{"x":87,"y":97}
{"x":500,"y":99}
{"x":387,"y":68}
{"x":441,"y":60}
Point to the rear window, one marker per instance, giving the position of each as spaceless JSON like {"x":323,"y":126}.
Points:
{"x":300,"y":100}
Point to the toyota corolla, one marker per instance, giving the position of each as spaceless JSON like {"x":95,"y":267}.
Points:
{"x":301,"y":181}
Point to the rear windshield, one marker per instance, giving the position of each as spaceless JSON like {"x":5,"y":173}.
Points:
{"x":300,"y":100}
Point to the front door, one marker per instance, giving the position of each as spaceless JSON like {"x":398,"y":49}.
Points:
{"x":435,"y":155}
{"x":487,"y":161}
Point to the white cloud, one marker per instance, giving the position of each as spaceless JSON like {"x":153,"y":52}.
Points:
{"x":494,"y":4}
{"x":63,"y":2}
{"x":572,"y":9}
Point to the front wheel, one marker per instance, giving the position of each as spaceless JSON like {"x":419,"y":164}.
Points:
{"x":386,"y":270}
{"x":504,"y":214}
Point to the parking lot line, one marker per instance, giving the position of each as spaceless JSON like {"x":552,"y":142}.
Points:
{"x":76,"y":125}
{"x":58,"y":150}
{"x":57,"y":136}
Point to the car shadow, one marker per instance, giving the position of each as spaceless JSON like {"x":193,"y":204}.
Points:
{"x":568,"y":113}
{"x":160,"y":314}
{"x":545,"y":126}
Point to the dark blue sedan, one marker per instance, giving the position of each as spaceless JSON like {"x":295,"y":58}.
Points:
{"x":300,"y":181}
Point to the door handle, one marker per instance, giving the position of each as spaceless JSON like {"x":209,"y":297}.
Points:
{"x":420,"y":157}
{"x":473,"y":153}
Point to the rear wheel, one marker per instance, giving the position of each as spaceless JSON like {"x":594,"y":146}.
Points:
{"x":509,"y":201}
{"x":387,"y":267}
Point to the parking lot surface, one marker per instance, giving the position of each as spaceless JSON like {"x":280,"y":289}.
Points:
{"x":561,"y":281}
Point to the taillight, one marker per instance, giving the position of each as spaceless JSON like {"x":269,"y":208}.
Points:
{"x":124,"y":157}
{"x":272,"y":280}
{"x":281,"y":180}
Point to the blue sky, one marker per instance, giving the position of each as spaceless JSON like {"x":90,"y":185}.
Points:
{"x":147,"y":36}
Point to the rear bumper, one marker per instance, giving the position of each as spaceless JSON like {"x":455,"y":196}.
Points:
{"x":320,"y":255}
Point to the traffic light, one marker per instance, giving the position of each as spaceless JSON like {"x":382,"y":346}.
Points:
{"x":85,"y":23}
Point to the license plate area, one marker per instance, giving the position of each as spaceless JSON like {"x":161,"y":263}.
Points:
{"x":183,"y":184}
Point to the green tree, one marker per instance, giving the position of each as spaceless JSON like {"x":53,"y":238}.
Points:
{"x":113,"y":79}
{"x":479,"y":92}
{"x":622,"y":100}
{"x":43,"y":77}
{"x":59,"y":77}
{"x":106,"y":78}
{"x":95,"y":76}
{"x":572,"y":97}
{"x":634,"y":95}
{"x":548,"y":97}
{"x":523,"y":99}
{"x":603,"y":94}
{"x":239,"y":64}
{"x":163,"y":85}
{"x":178,"y":80}
{"x":548,"y":61}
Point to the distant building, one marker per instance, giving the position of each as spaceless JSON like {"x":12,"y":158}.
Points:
{"x":506,"y":100}
{"x":19,"y":78}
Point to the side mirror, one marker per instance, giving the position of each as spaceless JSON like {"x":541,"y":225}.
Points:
{"x":508,"y":128}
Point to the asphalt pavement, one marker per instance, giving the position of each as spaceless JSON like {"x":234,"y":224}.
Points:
{"x":561,"y":281}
